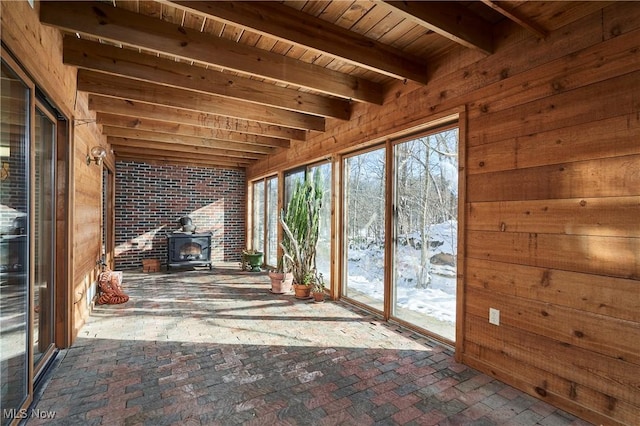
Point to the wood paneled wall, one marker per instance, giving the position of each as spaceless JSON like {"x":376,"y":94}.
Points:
{"x":552,"y":214}
{"x":39,"y":50}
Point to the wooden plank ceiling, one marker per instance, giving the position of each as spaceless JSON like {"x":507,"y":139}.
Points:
{"x":229,"y":83}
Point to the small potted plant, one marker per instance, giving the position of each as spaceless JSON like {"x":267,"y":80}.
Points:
{"x":253,"y":258}
{"x":281,"y":278}
{"x":303,"y":289}
{"x":318,"y":289}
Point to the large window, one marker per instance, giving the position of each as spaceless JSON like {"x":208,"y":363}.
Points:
{"x":290,"y":179}
{"x":398,"y":226}
{"x":364,"y":228}
{"x":323,"y":248}
{"x":271,"y":249}
{"x":409,"y":276}
{"x":264,"y":215}
{"x":425,"y":227}
{"x":258,"y":216}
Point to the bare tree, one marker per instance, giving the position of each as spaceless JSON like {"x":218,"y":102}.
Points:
{"x":424,"y":192}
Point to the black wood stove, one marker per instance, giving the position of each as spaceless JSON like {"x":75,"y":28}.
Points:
{"x":189,"y":249}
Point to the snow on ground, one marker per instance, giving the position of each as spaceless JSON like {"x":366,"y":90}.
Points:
{"x":365,"y":271}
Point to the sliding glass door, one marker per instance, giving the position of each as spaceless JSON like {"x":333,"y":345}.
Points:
{"x":425,"y":230}
{"x":15,"y":314}
{"x":364,"y":225}
{"x":29,"y":129}
{"x":409,"y":276}
{"x":44,"y":236}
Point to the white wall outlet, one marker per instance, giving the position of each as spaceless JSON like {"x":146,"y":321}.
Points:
{"x":494,"y":316}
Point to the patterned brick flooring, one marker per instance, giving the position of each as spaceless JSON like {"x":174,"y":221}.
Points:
{"x":201,"y":347}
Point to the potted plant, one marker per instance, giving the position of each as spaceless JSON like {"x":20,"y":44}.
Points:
{"x":253,"y":258}
{"x":318,"y":289}
{"x":281,"y":278}
{"x":300,"y":223}
{"x":303,"y":289}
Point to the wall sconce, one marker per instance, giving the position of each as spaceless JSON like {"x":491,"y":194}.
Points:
{"x":98,"y":153}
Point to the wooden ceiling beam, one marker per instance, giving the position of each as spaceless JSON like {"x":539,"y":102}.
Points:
{"x":169,"y":160}
{"x":144,"y":154}
{"x":186,"y":141}
{"x":288,"y":24}
{"x":513,"y":16}
{"x":157,"y":126}
{"x":121,"y":26}
{"x":194,"y":151}
{"x":136,"y":90}
{"x":140,"y":153}
{"x":129,"y":63}
{"x":177,"y":115}
{"x":449,"y":19}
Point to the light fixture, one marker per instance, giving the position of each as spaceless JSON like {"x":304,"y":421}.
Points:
{"x":98,"y":153}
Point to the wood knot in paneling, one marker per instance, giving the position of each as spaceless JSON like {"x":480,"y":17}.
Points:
{"x":546,"y":279}
{"x":541,"y":391}
{"x":573,"y":393}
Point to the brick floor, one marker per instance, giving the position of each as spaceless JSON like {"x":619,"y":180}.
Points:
{"x":201,"y":347}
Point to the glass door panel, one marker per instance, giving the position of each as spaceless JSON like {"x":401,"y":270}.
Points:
{"x":425,"y":228}
{"x":323,"y":248}
{"x":14,"y":247}
{"x":271,"y":257}
{"x":364,"y":225}
{"x":258,"y":216}
{"x":290,"y":179}
{"x":44,"y":186}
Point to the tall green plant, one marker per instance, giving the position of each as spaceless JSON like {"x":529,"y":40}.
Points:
{"x":301,"y":223}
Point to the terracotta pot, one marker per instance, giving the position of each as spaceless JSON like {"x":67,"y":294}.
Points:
{"x":302,"y":291}
{"x":281,"y":283}
{"x":318,"y":296}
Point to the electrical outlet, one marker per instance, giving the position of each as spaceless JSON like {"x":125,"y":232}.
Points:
{"x":494,"y":316}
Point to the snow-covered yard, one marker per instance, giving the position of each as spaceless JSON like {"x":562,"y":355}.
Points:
{"x":438,"y":301}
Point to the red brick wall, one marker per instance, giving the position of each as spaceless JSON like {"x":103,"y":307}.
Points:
{"x":151,"y":198}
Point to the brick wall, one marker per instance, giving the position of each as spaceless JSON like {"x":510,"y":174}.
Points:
{"x":151,"y":198}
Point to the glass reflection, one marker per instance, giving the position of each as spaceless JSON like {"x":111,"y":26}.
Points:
{"x":14,"y":229}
